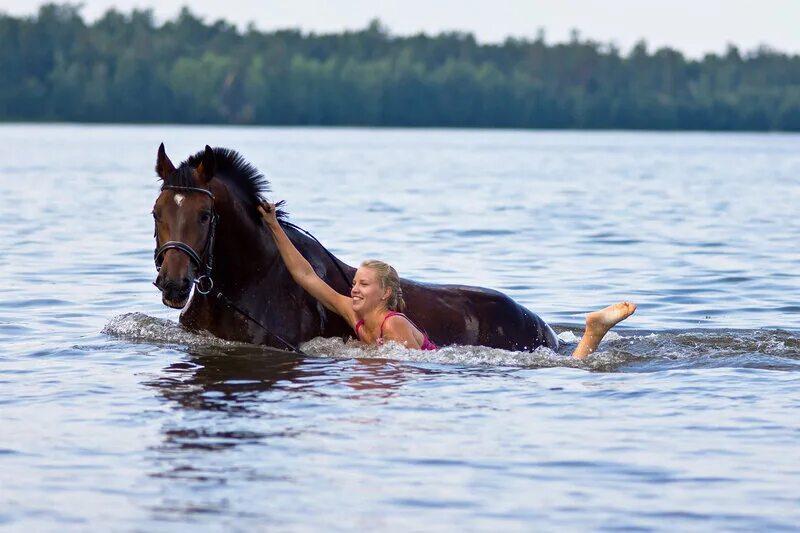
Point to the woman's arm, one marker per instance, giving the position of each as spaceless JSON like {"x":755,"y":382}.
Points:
{"x":302,"y":271}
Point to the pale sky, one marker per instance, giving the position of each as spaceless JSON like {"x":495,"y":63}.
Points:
{"x":692,"y":26}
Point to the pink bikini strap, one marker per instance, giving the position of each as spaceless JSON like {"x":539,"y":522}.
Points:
{"x":358,"y":326}
{"x":389,"y":315}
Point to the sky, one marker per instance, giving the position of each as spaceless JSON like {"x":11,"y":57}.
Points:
{"x":693,"y":26}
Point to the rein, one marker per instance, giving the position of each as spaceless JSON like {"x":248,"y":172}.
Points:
{"x":206,"y":268}
{"x":227,"y":301}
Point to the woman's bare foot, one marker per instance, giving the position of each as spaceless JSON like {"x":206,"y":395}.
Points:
{"x":598,"y":324}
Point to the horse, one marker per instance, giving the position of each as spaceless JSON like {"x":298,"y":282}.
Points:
{"x":210,"y":238}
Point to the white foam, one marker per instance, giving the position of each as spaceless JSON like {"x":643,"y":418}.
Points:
{"x":461,"y":355}
{"x":139,"y":327}
{"x":568,"y":337}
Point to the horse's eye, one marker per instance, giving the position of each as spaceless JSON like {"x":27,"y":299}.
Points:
{"x":155,"y":216}
{"x":204,"y":216}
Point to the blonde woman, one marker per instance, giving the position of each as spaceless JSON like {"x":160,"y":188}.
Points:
{"x":374,"y":307}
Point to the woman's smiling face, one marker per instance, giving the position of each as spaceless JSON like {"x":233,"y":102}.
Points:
{"x":367,"y":292}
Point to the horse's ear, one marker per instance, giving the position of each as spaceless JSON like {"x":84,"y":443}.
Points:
{"x":164,"y":167}
{"x":208,"y":166}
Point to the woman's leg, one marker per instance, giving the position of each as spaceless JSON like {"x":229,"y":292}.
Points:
{"x":598,"y":324}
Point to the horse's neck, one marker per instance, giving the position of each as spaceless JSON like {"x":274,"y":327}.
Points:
{"x":243,"y":253}
{"x":333,"y":271}
{"x":246,"y":254}
{"x":250,"y":274}
{"x":242,"y":258}
{"x":246,"y":257}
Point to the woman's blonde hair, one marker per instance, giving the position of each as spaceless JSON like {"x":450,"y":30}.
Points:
{"x":388,"y":278}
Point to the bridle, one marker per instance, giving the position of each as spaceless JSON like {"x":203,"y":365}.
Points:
{"x":204,"y":281}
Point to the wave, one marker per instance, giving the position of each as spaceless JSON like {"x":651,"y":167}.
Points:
{"x":620,"y":351}
{"x":140,"y":327}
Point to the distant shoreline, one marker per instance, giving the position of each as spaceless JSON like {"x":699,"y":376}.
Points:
{"x":4,"y":123}
{"x":125,"y":68}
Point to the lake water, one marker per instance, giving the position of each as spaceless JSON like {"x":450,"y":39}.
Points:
{"x":113,"y":418}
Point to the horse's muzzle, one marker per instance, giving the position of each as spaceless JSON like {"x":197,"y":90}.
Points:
{"x":174,"y":294}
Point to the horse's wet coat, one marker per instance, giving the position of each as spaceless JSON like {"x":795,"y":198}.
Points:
{"x":248,"y":271}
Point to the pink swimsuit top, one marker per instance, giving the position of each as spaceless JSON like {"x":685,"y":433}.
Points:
{"x":426,"y":342}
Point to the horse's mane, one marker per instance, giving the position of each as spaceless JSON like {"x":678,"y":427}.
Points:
{"x":233,"y":169}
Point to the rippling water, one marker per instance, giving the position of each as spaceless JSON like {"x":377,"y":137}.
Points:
{"x":114,"y":418}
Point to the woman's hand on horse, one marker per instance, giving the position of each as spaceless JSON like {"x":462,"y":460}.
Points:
{"x":267,"y":211}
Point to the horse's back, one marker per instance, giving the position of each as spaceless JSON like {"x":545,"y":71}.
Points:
{"x":461,"y":314}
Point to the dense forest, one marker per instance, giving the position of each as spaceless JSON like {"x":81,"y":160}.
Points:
{"x":124,"y":67}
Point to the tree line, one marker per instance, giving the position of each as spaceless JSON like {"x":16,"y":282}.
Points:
{"x":124,"y":67}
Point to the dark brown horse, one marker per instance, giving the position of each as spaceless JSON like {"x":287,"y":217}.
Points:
{"x":209,"y":234}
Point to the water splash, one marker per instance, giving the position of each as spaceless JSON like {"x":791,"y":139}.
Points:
{"x":452,"y":355}
{"x":643,"y":352}
{"x":139,"y":327}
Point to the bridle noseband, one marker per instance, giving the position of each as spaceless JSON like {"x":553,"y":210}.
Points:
{"x":204,"y":282}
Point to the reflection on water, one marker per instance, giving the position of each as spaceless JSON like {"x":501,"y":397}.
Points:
{"x":226,"y":381}
{"x":240,"y":380}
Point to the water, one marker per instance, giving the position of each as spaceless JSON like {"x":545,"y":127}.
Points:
{"x":113,"y":418}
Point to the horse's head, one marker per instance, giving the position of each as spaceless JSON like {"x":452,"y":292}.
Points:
{"x":184,"y":227}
